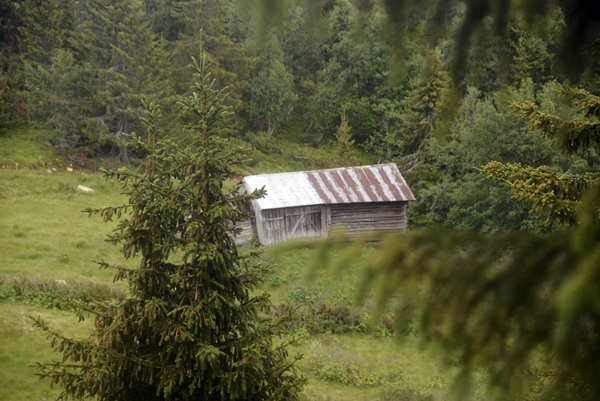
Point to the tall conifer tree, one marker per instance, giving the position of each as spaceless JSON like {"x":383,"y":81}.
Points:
{"x":190,"y":330}
{"x":272,"y":89}
{"x":48,"y":26}
{"x":54,"y":95}
{"x":127,"y":62}
{"x":556,"y":193}
{"x":217,"y":27}
{"x":344,"y":144}
{"x":12,"y":104}
{"x":422,"y":103}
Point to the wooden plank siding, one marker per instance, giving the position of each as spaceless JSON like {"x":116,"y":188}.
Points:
{"x":357,"y":218}
{"x":279,"y":225}
{"x":245,"y":237}
{"x":271,"y":226}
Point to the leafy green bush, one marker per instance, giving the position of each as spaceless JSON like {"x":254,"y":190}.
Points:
{"x":335,"y":367}
{"x":262,"y":143}
{"x":65,"y":189}
{"x":344,"y":372}
{"x":403,"y":394}
{"x":336,"y":318}
{"x":436,"y":382}
{"x":64,"y":258}
{"x":333,"y":319}
{"x":301,"y":294}
{"x":323,"y":319}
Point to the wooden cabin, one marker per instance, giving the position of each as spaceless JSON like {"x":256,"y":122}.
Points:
{"x":311,"y":203}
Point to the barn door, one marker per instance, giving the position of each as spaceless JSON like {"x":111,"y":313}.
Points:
{"x":303,"y":222}
{"x":274,"y":226}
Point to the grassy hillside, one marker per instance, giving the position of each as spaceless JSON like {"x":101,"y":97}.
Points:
{"x":26,"y":147}
{"x":44,"y":238}
{"x":21,"y":345}
{"x":43,"y":231}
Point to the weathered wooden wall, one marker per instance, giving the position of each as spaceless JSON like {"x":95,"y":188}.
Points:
{"x":357,"y":218}
{"x":245,"y":237}
{"x":280,"y":225}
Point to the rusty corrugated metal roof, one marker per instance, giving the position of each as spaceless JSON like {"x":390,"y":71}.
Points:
{"x":379,"y":183}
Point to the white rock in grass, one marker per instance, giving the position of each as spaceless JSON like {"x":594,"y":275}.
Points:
{"x":85,"y":189}
{"x":70,"y":169}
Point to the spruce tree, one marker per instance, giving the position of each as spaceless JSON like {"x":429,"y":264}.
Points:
{"x":344,"y":144}
{"x":558,"y":193}
{"x":48,"y":26}
{"x":127,"y":63}
{"x":191,"y":328}
{"x":54,"y":95}
{"x":211,"y":24}
{"x":12,"y":103}
{"x":272,"y":96}
{"x":422,"y":103}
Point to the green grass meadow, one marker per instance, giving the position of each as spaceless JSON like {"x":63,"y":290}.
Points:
{"x":43,"y":231}
{"x":44,"y":237}
{"x":21,"y":345}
